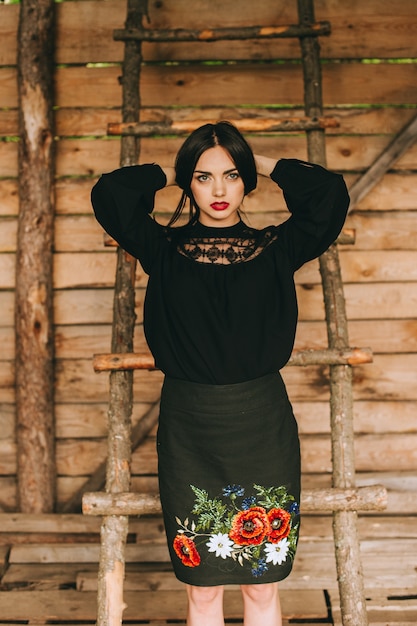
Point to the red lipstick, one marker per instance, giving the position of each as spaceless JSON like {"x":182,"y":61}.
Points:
{"x":219,"y":206}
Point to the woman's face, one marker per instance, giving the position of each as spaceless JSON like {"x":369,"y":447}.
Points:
{"x":217,"y":188}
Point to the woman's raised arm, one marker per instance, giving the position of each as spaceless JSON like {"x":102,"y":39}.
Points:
{"x":170,"y":175}
{"x":264,"y":165}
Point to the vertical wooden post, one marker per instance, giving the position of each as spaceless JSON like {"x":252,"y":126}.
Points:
{"x":347,"y":549}
{"x":114,"y":529}
{"x":33,"y":302}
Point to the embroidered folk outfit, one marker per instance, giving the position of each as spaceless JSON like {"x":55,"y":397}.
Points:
{"x":220,"y":316}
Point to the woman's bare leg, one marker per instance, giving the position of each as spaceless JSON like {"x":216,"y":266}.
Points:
{"x":261,"y":605}
{"x":205,"y":606}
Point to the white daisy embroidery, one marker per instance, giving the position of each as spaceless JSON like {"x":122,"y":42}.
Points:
{"x":276,"y":553}
{"x":221,"y":545}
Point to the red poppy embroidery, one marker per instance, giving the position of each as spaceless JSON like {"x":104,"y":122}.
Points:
{"x":280,"y":524}
{"x":186,"y":550}
{"x":250,"y":527}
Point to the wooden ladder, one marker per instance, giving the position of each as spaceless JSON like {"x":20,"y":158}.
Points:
{"x":344,"y":499}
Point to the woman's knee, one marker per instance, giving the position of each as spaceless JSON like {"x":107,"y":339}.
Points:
{"x":262,"y":594}
{"x":205,"y":596}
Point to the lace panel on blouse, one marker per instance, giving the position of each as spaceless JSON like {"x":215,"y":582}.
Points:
{"x":226,"y":250}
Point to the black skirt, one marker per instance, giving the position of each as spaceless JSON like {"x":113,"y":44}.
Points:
{"x":229,"y":478}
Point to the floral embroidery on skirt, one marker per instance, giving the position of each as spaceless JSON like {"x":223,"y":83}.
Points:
{"x":258,"y":531}
{"x":231,"y":516}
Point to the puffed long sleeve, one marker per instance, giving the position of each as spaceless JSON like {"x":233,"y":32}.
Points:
{"x":318,"y":201}
{"x":122,"y":201}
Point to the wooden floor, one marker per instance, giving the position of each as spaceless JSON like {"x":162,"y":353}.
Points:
{"x":49,"y":573}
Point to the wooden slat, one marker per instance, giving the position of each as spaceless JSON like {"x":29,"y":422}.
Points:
{"x":209,"y":34}
{"x":76,"y":379}
{"x":375,"y":301}
{"x":379,"y":416}
{"x":244,"y":125}
{"x":372,"y":231}
{"x":401,"y":495}
{"x":314,"y":568}
{"x":69,"y":340}
{"x":78,"y":420}
{"x":85,"y":157}
{"x":310,"y":571}
{"x":52,"y":574}
{"x":391,"y":84}
{"x":85,"y":31}
{"x":74,"y":270}
{"x":74,"y":524}
{"x":399,"y":498}
{"x":370,"y":498}
{"x":7,"y":456}
{"x":228,"y":85}
{"x":70,"y":605}
{"x":75,"y":421}
{"x":377,"y":266}
{"x":390,"y":375}
{"x":389,"y":336}
{"x":373,"y":452}
{"x":150,"y":528}
{"x":132,"y":361}
{"x":401,"y":487}
{"x":81,"y":305}
{"x":397,"y":452}
{"x":90,"y":121}
{"x":8,"y":424}
{"x":380,"y":452}
{"x":390,"y":607}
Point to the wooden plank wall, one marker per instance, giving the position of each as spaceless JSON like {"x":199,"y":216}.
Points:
{"x":370,"y":86}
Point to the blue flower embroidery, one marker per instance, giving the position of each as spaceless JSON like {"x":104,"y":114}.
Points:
{"x":236,"y":490}
{"x":294,"y":508}
{"x":260,"y":569}
{"x":248,"y":502}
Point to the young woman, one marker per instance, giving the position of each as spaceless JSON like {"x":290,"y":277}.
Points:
{"x":220,"y":316}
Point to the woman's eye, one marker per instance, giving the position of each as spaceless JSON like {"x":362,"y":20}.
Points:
{"x":202,"y":178}
{"x":234,"y":175}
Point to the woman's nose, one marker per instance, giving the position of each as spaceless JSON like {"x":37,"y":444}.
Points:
{"x":218,"y":188}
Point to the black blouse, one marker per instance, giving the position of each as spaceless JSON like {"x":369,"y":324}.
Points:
{"x":221,"y":306}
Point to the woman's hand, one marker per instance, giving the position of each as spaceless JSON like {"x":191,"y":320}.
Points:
{"x":264,"y":165}
{"x":170,"y":175}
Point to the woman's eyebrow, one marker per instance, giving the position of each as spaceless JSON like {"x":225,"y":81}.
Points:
{"x":234,"y":169}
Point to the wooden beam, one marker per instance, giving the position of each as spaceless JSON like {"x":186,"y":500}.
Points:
{"x":34,"y":259}
{"x":370,"y":498}
{"x":206,"y":35}
{"x":347,"y":548}
{"x":373,"y":175}
{"x":145,"y":361}
{"x":245,"y":125}
{"x":114,"y":529}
